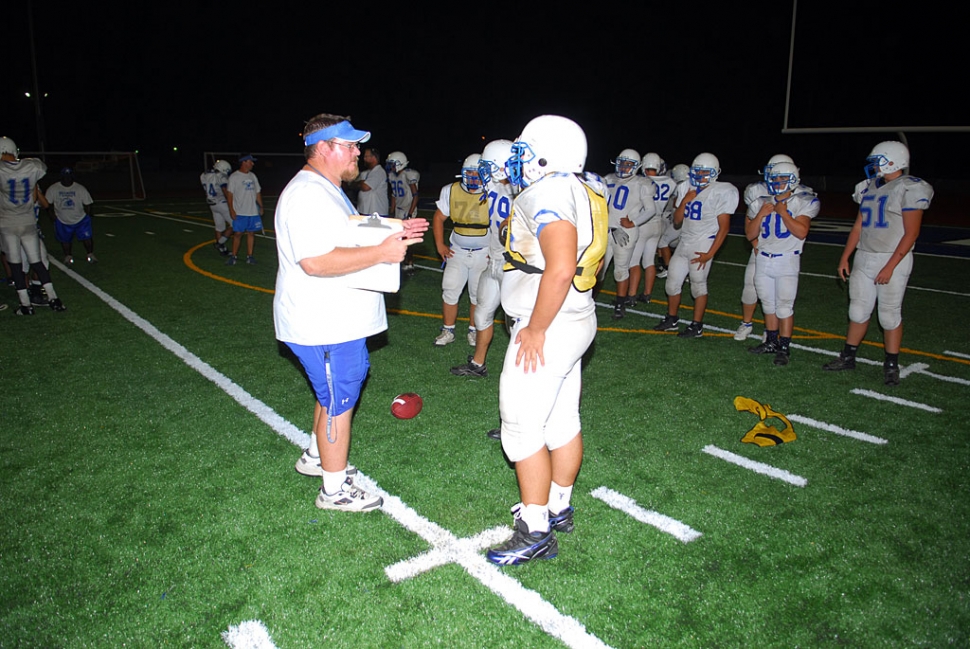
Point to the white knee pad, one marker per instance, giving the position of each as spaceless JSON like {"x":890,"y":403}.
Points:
{"x":676,"y":274}
{"x":489,"y":298}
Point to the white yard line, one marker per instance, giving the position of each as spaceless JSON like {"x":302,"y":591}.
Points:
{"x":627,"y":505}
{"x":899,"y":402}
{"x":757,"y":467}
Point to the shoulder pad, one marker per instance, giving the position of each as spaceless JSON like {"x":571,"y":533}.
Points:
{"x":594,"y":182}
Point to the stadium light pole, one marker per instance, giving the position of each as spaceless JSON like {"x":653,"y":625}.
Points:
{"x":39,"y":116}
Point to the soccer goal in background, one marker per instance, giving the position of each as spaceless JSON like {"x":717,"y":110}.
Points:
{"x":108,"y":175}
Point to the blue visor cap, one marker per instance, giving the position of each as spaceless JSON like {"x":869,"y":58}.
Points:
{"x":248,"y":156}
{"x":343,"y":130}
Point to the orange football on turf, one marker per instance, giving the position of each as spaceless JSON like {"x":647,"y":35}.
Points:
{"x":407,"y":405}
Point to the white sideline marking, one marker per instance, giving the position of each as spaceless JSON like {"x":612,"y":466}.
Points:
{"x":947,"y":352}
{"x":900,"y":402}
{"x":950,"y":379}
{"x":627,"y":505}
{"x":832,"y":428}
{"x":757,"y":467}
{"x":251,"y":634}
{"x":446,"y":553}
{"x":906,"y":370}
{"x":567,"y":629}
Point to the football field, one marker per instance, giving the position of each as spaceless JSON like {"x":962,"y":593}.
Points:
{"x":148,"y":495}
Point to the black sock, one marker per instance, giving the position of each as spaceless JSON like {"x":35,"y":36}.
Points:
{"x":771,"y":335}
{"x":849,"y":351}
{"x":783,"y":343}
{"x":892,"y":360}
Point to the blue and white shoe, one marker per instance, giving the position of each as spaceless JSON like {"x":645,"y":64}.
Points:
{"x":563,"y":521}
{"x":524,"y":546}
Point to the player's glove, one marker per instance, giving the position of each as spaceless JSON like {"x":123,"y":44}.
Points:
{"x":620,"y":237}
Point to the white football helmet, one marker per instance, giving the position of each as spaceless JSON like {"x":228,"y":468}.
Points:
{"x":627,"y":163}
{"x":9,"y":146}
{"x":396,"y":162}
{"x":655,"y":162}
{"x":886,"y":158}
{"x":704,"y":170}
{"x":782,"y":177}
{"x":548,"y":144}
{"x":772,"y":161}
{"x":222,"y":167}
{"x":492,"y":166}
{"x":470,"y":179}
{"x":680,"y":173}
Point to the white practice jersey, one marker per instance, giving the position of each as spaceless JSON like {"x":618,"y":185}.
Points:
{"x":773,"y":237}
{"x":499,"y":197}
{"x":555,"y":197}
{"x":700,"y":214}
{"x":17,"y":182}
{"x":631,"y":197}
{"x":244,"y":188}
{"x":212,"y":184}
{"x":68,"y":201}
{"x":401,"y":188}
{"x":882,"y":205}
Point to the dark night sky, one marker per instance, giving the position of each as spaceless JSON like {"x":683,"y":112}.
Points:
{"x":243,"y":76}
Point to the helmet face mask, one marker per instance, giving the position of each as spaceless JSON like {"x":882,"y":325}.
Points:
{"x":704,"y":170}
{"x":782,"y":178}
{"x":887,"y":158}
{"x":772,"y":161}
{"x":470,"y":179}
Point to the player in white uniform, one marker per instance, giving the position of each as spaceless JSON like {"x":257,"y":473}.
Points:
{"x":72,"y":214}
{"x":557,"y":238}
{"x":703,"y":209}
{"x":467,"y":255}
{"x":645,"y":251}
{"x":670,"y":236}
{"x":498,"y":196}
{"x":890,"y":215}
{"x":631,"y":205}
{"x":403,"y":183}
{"x":749,"y":294}
{"x":18,"y":223}
{"x":779,"y":224}
{"x":245,"y":198}
{"x":214,"y":184}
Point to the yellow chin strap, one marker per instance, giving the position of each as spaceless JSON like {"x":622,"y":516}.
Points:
{"x":762,"y":434}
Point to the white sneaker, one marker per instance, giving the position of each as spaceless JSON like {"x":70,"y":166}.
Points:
{"x":348,"y":499}
{"x":447,"y":336}
{"x":744,"y":331}
{"x":472,"y":337}
{"x":309,"y":465}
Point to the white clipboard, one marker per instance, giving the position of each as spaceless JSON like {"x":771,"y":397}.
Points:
{"x":370,"y":231}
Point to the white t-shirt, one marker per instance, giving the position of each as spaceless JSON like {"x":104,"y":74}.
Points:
{"x":311,"y":220}
{"x":68,"y":201}
{"x":375,"y":199}
{"x":244,"y":188}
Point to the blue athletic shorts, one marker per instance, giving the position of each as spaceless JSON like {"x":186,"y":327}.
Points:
{"x":338,"y":390}
{"x":82,"y":230}
{"x":247,"y":224}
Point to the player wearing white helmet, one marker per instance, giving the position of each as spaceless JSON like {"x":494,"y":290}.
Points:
{"x":749,"y":294}
{"x":498,"y":196}
{"x":466,"y":255}
{"x":670,"y":236}
{"x":645,"y":250}
{"x":18,"y":223}
{"x":557,"y":239}
{"x":403,"y":183}
{"x":631,"y":205}
{"x":891,"y":210}
{"x":214,"y":183}
{"x":703,"y":209}
{"x":777,"y":226}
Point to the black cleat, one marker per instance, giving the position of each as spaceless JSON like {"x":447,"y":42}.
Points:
{"x":669,"y":323}
{"x":495,"y":433}
{"x":24,"y":310}
{"x":619,"y":308}
{"x":782,"y":357}
{"x":57,"y":305}
{"x":524,"y":546}
{"x":890,"y":374}
{"x":470,"y":369}
{"x":767,"y":347}
{"x":839,"y":364}
{"x":693,"y":330}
